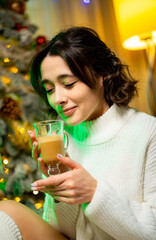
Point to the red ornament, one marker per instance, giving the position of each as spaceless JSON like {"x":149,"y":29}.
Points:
{"x":41,"y":40}
{"x":18,"y":27}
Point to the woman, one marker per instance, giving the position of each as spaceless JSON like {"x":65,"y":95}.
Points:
{"x":107,"y":188}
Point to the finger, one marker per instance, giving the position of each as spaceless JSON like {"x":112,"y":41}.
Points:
{"x":53,"y":188}
{"x":64,"y":193}
{"x":35,"y":150}
{"x":43,"y":167}
{"x":32,"y":136}
{"x":68,"y":161}
{"x":64,"y":199}
{"x":54,"y":180}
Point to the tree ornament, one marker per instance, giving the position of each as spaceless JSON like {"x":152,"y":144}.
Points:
{"x":40,"y":40}
{"x":18,"y":6}
{"x":19,"y":136}
{"x":18,"y":26}
{"x":10,"y":108}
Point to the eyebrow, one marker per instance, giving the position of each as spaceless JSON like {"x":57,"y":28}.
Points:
{"x":60,"y":77}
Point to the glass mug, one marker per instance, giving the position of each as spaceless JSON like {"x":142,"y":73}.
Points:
{"x":50,"y":135}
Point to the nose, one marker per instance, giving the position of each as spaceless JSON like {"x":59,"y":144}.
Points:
{"x":60,"y":97}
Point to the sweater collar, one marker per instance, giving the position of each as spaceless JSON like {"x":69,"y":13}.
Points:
{"x":103,"y":128}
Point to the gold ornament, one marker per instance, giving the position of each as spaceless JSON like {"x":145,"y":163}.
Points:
{"x":27,"y":167}
{"x":10,"y":108}
{"x":20,"y":137}
{"x":18,"y":6}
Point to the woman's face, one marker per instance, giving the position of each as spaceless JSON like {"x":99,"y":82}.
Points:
{"x":72,"y":99}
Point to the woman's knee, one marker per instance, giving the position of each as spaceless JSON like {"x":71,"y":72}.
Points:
{"x":31,"y":225}
{"x":10,"y":207}
{"x":8,"y":227}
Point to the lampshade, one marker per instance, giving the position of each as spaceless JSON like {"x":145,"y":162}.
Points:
{"x":136,"y":21}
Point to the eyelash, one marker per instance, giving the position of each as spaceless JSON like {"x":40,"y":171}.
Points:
{"x":66,"y":86}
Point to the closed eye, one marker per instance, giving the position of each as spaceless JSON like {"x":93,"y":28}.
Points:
{"x":51,"y":90}
{"x":70,"y":85}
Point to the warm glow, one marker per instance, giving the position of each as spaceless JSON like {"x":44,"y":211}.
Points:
{"x":35,"y":192}
{"x":1,"y":180}
{"x":8,"y":46}
{"x":22,"y":130}
{"x":136,"y":19}
{"x":38,"y":205}
{"x":14,"y":69}
{"x":5,"y":161}
{"x":137,"y":43}
{"x":27,"y":77}
{"x":6,"y":60}
{"x":17,"y":199}
{"x":5,"y":80}
{"x":6,"y":170}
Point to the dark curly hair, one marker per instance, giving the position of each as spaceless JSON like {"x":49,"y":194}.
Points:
{"x":88,"y":58}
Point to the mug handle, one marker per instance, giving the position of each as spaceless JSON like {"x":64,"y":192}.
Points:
{"x":67,"y":140}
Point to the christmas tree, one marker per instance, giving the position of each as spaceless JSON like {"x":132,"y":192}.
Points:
{"x":20,"y":106}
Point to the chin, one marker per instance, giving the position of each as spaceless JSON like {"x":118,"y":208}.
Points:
{"x":73,"y":122}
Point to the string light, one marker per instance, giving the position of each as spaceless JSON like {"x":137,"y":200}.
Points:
{"x":5,"y":80}
{"x":35,"y":192}
{"x":27,"y":77}
{"x":38,"y":205}
{"x":1,"y":180}
{"x":17,"y":199}
{"x":22,"y":130}
{"x":6,"y":60}
{"x":5,"y":161}
{"x":14,"y":69}
{"x":6,"y":170}
{"x":86,"y":1}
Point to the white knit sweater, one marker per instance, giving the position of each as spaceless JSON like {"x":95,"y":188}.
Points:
{"x":119,"y":150}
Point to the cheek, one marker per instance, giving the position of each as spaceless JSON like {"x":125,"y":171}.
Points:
{"x":51,"y":102}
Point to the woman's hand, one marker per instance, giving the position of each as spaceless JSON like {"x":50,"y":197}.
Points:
{"x":34,"y":144}
{"x":73,"y":187}
{"x":44,"y":168}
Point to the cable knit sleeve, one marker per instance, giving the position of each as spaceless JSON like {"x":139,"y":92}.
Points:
{"x":114,"y":213}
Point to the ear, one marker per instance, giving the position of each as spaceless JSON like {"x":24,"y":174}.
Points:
{"x":101,"y":81}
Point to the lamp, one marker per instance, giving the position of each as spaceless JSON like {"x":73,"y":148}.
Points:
{"x":136,"y":20}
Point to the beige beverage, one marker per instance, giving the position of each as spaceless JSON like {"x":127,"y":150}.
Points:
{"x":50,"y":146}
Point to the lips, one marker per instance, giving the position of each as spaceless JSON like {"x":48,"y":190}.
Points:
{"x":69,"y":111}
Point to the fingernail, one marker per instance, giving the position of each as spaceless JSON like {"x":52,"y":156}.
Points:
{"x":59,"y":155}
{"x":29,"y":132}
{"x":33,"y":188}
{"x":34,"y":184}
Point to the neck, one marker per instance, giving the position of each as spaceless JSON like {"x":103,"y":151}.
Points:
{"x":104,"y":127}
